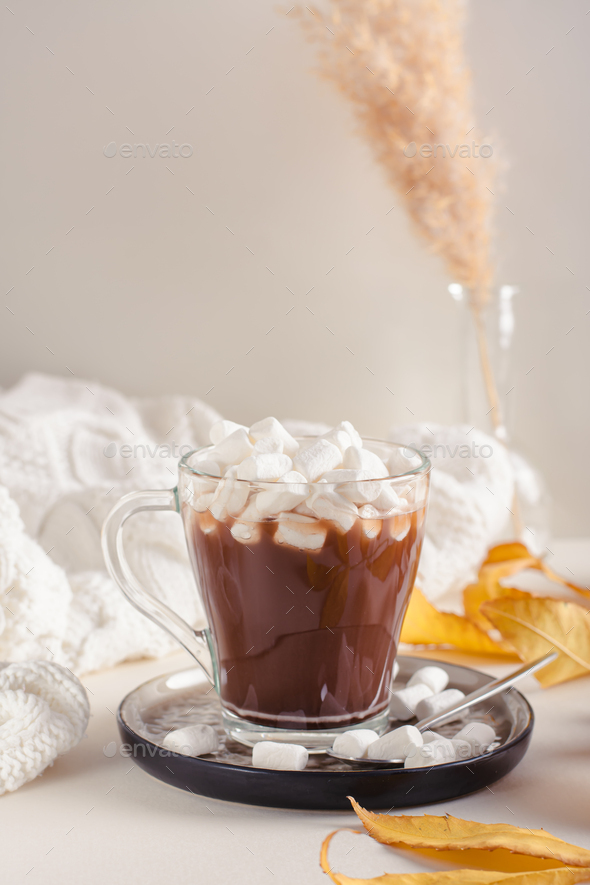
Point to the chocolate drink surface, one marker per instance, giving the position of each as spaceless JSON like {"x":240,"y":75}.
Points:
{"x":306,"y":638}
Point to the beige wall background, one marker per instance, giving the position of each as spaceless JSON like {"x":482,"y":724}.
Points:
{"x":229,"y":274}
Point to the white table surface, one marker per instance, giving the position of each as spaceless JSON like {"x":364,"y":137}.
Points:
{"x":98,"y":819}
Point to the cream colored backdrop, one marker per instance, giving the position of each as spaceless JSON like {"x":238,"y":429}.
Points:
{"x":266,"y":271}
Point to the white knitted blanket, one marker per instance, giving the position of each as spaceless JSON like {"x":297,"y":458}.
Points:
{"x":44,"y":712}
{"x":63,"y":464}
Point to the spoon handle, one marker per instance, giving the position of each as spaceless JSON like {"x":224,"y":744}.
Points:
{"x":487,"y":691}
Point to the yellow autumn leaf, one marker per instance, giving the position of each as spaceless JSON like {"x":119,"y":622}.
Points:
{"x":475,"y":595}
{"x":425,"y":625}
{"x":505,"y":552}
{"x":535,"y":625}
{"x":452,"y":833}
{"x":505,"y":560}
{"x":553,"y":876}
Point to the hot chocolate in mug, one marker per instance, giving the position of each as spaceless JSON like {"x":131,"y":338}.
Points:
{"x":304,"y":612}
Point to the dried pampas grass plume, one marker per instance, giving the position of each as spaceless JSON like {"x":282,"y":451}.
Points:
{"x":401,"y":64}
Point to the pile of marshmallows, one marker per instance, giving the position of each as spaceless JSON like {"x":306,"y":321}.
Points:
{"x":426,"y":694}
{"x":423,"y":696}
{"x":343,"y":476}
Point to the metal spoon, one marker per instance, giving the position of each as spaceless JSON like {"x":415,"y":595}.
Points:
{"x":477,"y":696}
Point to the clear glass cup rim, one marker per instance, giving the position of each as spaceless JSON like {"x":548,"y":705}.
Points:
{"x":421,"y":470}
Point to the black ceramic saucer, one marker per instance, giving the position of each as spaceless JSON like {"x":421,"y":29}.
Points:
{"x":185,"y":698}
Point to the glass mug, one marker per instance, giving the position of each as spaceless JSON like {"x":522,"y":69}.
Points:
{"x":304,"y":613}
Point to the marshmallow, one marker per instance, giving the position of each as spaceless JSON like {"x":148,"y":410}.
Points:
{"x":355,"y":437}
{"x":402,"y":704}
{"x":209,"y":467}
{"x":279,"y":757}
{"x":203,"y":502}
{"x":437,"y":703}
{"x":396,"y":744}
{"x":222,"y":429}
{"x":399,"y":526}
{"x":300,"y":531}
{"x":435,"y":678}
{"x":394,"y":670}
{"x":357,"y":458}
{"x":264,"y":467}
{"x":332,"y":506}
{"x":247,"y":532}
{"x":317,"y":458}
{"x":194,"y":740}
{"x":269,"y":445}
{"x":429,"y":736}
{"x":435,"y":753}
{"x":292,"y":489}
{"x":340,"y":438}
{"x":371,"y":528}
{"x":207,"y":522}
{"x":351,"y":485}
{"x":273,"y":428}
{"x":304,"y":510}
{"x":229,"y":498}
{"x":354,"y":743}
{"x":233,"y":449}
{"x":371,"y":525}
{"x":463,"y":749}
{"x":478,"y":734}
{"x":387,"y":501}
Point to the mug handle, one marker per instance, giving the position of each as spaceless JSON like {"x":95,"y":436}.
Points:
{"x":194,"y":641}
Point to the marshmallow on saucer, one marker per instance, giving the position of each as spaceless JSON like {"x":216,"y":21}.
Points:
{"x":354,"y":743}
{"x":437,"y":703}
{"x":463,"y":749}
{"x":435,"y":678}
{"x":193,"y":740}
{"x":429,"y":736}
{"x":396,"y":744}
{"x":435,"y":753}
{"x":478,"y":734}
{"x":403,"y":704}
{"x":279,"y":757}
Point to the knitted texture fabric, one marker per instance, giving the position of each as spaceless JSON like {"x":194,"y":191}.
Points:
{"x":43,"y":714}
{"x":68,"y":450}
